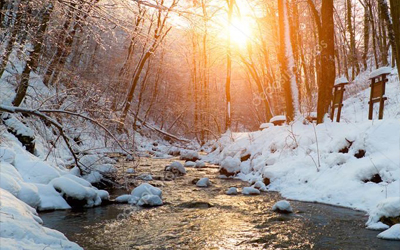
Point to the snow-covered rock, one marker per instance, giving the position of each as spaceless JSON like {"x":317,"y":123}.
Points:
{"x":189,"y":155}
{"x":50,"y":199}
{"x":282,"y":206}
{"x":145,"y":177}
{"x":190,"y":164}
{"x":250,"y":191}
{"x":393,"y":233}
{"x":203,"y":182}
{"x":123,"y":198}
{"x":21,"y":229}
{"x":174,"y":151}
{"x":143,"y":195}
{"x":232,"y":191}
{"x":389,"y":207}
{"x":130,"y":171}
{"x":260,"y":186}
{"x":150,"y":200}
{"x":177,"y":167}
{"x":200,"y":164}
{"x":76,"y":193}
{"x":230,"y":166}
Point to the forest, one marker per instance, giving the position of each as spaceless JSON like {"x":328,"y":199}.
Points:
{"x":194,"y":107}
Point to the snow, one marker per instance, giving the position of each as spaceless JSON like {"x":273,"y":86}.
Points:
{"x":176,"y":166}
{"x":380,"y":71}
{"x":250,"y":191}
{"x":377,"y":226}
{"x":7,"y":155}
{"x":277,"y":118}
{"x":266,"y":125}
{"x":393,"y":233}
{"x":71,"y":188}
{"x":303,"y":161}
{"x":282,"y":206}
{"x":232,"y":191}
{"x":203,"y":182}
{"x":190,"y":164}
{"x":19,"y":128}
{"x":50,"y":199}
{"x":130,"y":171}
{"x":232,"y":165}
{"x":341,"y":80}
{"x":143,"y":195}
{"x":21,"y":227}
{"x":389,"y":207}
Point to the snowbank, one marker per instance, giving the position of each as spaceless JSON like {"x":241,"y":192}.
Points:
{"x":21,"y":229}
{"x":329,"y":163}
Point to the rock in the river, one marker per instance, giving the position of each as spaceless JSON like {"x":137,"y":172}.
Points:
{"x":150,"y":200}
{"x":250,"y":191}
{"x":230,"y":166}
{"x":232,"y":191}
{"x":144,"y":195}
{"x":203,"y":182}
{"x":200,"y":164}
{"x":260,"y":186}
{"x":189,"y":155}
{"x":282,"y":206}
{"x":190,"y":164}
{"x":392,"y":233}
{"x":145,"y":177}
{"x":176,"y":167}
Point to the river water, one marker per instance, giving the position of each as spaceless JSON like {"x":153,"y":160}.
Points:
{"x":206,"y":218}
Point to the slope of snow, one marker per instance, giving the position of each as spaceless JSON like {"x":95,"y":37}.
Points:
{"x":20,"y":227}
{"x":393,"y":233}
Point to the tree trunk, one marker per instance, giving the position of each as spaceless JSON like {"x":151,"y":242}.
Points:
{"x":228,"y":120}
{"x":286,"y":62}
{"x":327,"y":60}
{"x":395,"y":10}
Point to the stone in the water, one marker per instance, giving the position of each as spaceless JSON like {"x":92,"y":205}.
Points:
{"x":145,"y":177}
{"x":200,"y":164}
{"x":176,"y":167}
{"x":232,"y":191}
{"x":250,"y":191}
{"x":282,"y":206}
{"x":150,"y":200}
{"x":190,"y":164}
{"x":260,"y":186}
{"x":203,"y":182}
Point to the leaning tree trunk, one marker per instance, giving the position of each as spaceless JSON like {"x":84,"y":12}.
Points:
{"x":327,"y":60}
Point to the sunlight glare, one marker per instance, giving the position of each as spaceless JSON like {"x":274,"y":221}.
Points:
{"x":240,"y":31}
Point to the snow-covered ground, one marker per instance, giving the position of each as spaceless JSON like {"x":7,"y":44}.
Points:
{"x":331,"y":163}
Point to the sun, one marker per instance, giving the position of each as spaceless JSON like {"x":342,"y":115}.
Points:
{"x":240,"y":32}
